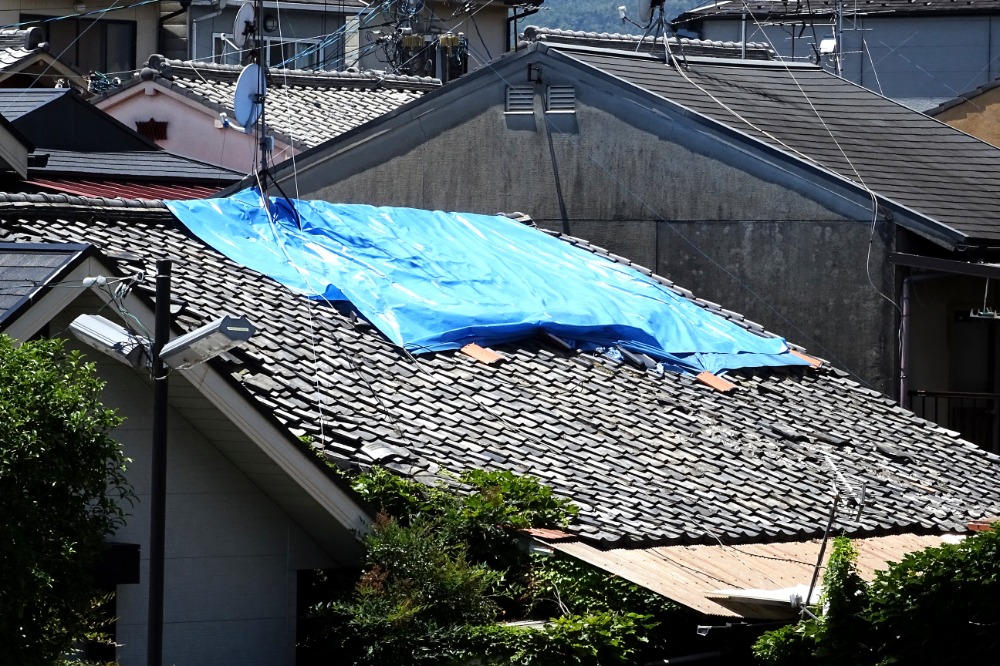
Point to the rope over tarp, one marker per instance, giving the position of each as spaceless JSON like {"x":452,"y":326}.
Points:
{"x":431,"y":281}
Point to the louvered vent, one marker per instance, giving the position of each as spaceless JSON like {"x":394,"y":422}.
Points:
{"x":561,"y":99}
{"x":520,"y":99}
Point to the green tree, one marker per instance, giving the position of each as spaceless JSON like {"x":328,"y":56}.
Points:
{"x":62,"y":491}
{"x":940,"y":605}
{"x":445,"y":568}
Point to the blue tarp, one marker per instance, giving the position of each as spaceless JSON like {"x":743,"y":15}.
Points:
{"x":431,"y":280}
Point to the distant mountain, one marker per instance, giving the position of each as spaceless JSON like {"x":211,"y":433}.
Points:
{"x":599,"y":15}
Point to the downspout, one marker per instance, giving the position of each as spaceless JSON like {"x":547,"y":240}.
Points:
{"x":194,"y":27}
{"x":904,"y":339}
{"x":743,"y":33}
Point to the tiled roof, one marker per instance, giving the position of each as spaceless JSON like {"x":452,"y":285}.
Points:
{"x":18,"y":45}
{"x":25,"y":268}
{"x":302,"y":106}
{"x":698,"y":47}
{"x":731,"y":9}
{"x":962,"y":99}
{"x":652,"y":460}
{"x":17,"y":103}
{"x":132,"y":165}
{"x":900,"y":155}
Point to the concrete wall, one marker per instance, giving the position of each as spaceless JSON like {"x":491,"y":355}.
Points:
{"x":726,"y":223}
{"x":900,"y":57}
{"x":231,"y":555}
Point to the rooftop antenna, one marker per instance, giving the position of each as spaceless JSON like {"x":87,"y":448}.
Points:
{"x":651,"y":17}
{"x":251,"y":86}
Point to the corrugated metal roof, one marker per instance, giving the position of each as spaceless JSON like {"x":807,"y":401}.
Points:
{"x":119,"y":190}
{"x":690,"y":574}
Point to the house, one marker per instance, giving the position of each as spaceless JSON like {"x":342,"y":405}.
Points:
{"x":102,"y":36}
{"x":26,"y":60}
{"x":436,"y":38}
{"x":681,"y":478}
{"x":804,"y":201}
{"x":180,"y":105}
{"x":399,"y":36}
{"x":78,"y":149}
{"x":973,"y":112}
{"x":920,"y":54}
{"x":250,"y":513}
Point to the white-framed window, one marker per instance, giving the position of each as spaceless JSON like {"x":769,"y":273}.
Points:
{"x":284,"y":53}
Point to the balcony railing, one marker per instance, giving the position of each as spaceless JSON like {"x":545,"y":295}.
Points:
{"x":975,"y":415}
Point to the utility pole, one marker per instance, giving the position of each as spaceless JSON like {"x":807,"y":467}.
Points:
{"x":158,"y":482}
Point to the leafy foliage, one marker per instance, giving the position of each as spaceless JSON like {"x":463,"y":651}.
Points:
{"x":937,"y":606}
{"x":445,"y":568}
{"x":62,"y":490}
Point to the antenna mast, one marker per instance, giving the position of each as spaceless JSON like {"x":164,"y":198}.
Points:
{"x":264,"y":143}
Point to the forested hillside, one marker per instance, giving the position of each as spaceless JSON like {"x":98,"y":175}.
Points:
{"x":599,"y":15}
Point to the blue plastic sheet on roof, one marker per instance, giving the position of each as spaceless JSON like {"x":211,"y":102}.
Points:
{"x":431,"y":280}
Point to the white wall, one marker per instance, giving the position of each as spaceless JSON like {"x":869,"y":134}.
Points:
{"x":231,"y":555}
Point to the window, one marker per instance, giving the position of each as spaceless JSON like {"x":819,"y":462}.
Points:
{"x":289,"y":53}
{"x":90,"y":45}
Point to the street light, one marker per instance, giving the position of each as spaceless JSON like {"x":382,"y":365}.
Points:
{"x":186,"y":351}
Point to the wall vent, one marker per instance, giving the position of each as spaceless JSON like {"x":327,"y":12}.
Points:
{"x":520,"y":99}
{"x":560,"y":99}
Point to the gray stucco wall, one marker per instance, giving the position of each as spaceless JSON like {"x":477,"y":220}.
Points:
{"x":904,"y":58}
{"x":231,"y":554}
{"x":737,"y":228}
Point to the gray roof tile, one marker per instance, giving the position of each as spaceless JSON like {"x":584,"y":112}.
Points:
{"x":302,"y":106}
{"x":651,"y":459}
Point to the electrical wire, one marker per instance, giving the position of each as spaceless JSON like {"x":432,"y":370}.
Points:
{"x":850,"y":163}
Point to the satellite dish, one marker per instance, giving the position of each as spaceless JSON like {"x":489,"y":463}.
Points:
{"x":248,"y":102}
{"x":646,"y":9}
{"x":243,"y":26}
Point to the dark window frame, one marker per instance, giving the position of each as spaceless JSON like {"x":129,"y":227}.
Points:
{"x":85,"y":27}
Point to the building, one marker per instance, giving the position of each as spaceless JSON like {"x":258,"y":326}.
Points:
{"x":186,"y":107}
{"x":920,"y":54}
{"x":973,"y":112}
{"x":73,"y":147}
{"x":671,"y":469}
{"x":803,"y":200}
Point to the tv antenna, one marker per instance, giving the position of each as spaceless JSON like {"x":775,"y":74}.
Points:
{"x":251,"y":86}
{"x":651,"y":21}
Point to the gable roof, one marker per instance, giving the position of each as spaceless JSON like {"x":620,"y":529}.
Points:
{"x":303,"y":107}
{"x":652,"y":460}
{"x":730,"y":9}
{"x":847,"y":139}
{"x":22,"y":52}
{"x":897,"y":154}
{"x":27,"y":268}
{"x":60,"y":118}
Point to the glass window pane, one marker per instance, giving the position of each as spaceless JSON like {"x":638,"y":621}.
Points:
{"x":121,"y":48}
